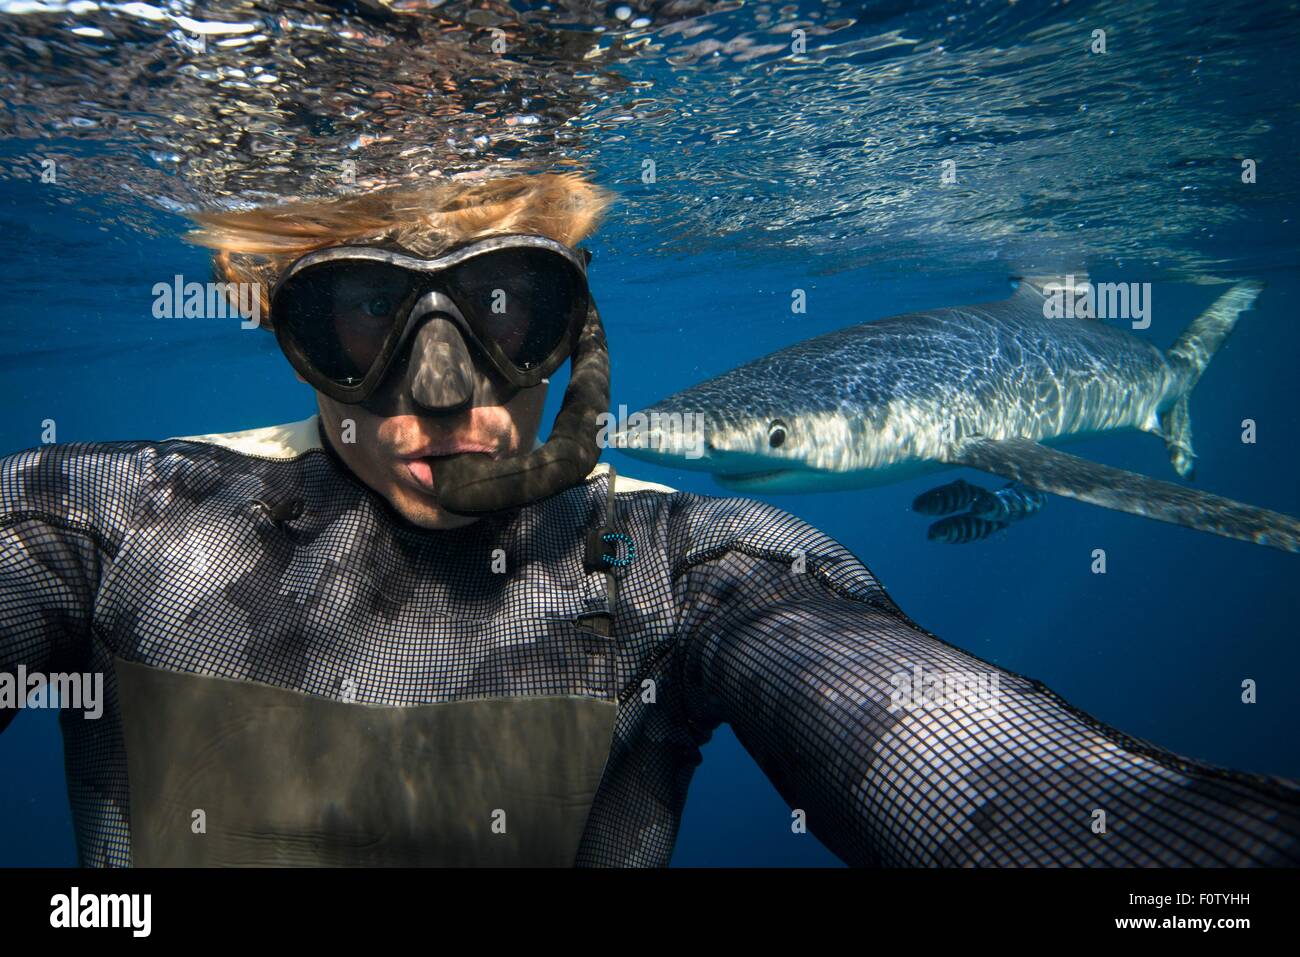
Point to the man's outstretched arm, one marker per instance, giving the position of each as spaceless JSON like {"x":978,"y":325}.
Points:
{"x":904,"y":750}
{"x":64,"y":511}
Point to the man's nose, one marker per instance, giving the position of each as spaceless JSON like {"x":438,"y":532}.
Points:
{"x":441,"y":373}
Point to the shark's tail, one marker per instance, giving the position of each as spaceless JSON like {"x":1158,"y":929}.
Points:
{"x":1190,"y":355}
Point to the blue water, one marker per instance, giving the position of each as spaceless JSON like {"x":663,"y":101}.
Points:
{"x":1158,"y":646}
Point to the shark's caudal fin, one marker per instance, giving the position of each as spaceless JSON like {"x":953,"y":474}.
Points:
{"x":1190,"y":355}
{"x":1051,"y":471}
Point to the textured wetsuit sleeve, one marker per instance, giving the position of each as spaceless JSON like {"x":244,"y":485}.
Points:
{"x":64,"y":510}
{"x":904,"y":750}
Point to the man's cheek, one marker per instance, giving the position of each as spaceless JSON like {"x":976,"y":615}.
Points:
{"x":533,"y":404}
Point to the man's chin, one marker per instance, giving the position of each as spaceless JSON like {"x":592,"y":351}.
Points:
{"x":423,"y":510}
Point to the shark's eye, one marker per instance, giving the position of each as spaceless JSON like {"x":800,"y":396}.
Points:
{"x":776,"y":434}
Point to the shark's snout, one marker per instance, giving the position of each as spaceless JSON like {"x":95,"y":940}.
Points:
{"x":664,"y":437}
{"x":738,"y":450}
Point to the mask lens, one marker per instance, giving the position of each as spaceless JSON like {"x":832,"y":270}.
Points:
{"x":525,"y":300}
{"x":339,"y":314}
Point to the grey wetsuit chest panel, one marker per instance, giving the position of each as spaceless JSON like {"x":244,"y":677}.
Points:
{"x":278,"y":777}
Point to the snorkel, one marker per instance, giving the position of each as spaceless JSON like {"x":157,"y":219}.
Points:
{"x":476,"y":484}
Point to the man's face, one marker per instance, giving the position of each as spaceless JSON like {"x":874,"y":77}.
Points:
{"x":397,"y":456}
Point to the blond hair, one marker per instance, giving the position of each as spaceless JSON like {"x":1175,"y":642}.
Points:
{"x":254,"y":246}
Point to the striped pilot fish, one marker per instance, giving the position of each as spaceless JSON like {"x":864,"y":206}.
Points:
{"x":963,"y":529}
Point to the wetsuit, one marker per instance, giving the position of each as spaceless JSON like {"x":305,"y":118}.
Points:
{"x":285,"y":659}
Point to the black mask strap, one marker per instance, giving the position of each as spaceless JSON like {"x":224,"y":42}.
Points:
{"x":475,"y":484}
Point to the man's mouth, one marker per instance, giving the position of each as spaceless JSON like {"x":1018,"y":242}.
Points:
{"x":420,"y":465}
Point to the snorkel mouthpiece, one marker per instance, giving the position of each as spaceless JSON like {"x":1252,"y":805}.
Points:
{"x":476,"y":484}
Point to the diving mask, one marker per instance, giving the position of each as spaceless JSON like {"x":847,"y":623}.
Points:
{"x":399,"y":334}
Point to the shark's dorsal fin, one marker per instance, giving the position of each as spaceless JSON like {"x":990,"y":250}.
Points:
{"x":1035,"y":290}
{"x":1028,"y":287}
{"x":1062,"y":474}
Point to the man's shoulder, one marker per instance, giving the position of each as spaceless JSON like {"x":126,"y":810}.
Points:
{"x":285,"y":441}
{"x":691,"y":526}
{"x":625,"y":484}
{"x":694,"y":529}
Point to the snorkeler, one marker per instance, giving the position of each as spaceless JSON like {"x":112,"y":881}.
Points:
{"x":403,"y":632}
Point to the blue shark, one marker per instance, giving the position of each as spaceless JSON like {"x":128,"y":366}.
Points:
{"x":992,"y":387}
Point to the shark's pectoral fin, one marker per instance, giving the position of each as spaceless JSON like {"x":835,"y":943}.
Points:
{"x":1176,"y":428}
{"x":1061,"y":474}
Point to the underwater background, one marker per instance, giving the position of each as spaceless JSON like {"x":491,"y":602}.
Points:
{"x":773,"y":172}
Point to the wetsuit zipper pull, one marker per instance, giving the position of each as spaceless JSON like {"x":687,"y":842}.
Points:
{"x":283,"y":511}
